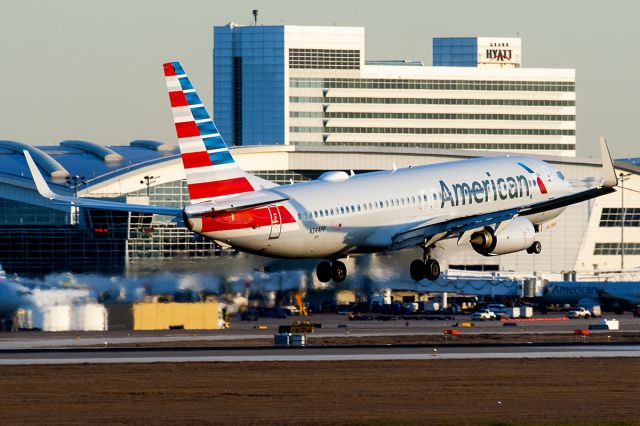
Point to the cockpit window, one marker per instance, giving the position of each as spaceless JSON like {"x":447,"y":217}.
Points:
{"x":560,"y":175}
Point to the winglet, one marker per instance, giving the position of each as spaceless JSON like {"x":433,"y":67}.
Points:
{"x":609,"y":177}
{"x":41,"y":184}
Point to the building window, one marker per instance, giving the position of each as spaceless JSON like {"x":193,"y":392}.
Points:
{"x":484,"y":85}
{"x":430,"y":101}
{"x":431,"y":116}
{"x":454,"y":145}
{"x":614,"y":249}
{"x":324,"y":59}
{"x":237,"y":101}
{"x":613,"y":217}
{"x":433,"y":131}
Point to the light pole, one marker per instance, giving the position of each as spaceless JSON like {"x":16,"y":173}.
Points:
{"x":623,"y":177}
{"x":148,"y":180}
{"x":74,"y":182}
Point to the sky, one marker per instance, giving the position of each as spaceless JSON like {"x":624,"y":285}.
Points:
{"x":92,"y":70}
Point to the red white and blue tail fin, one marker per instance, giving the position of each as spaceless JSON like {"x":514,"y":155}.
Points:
{"x":211,"y":171}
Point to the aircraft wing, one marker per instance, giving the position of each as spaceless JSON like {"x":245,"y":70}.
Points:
{"x":445,"y":228}
{"x":46,"y":192}
{"x":435,"y":230}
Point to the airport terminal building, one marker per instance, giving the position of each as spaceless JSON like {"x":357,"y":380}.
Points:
{"x":298,"y":101}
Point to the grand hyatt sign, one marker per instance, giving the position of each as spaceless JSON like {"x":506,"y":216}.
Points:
{"x":500,"y":55}
{"x":501,"y":52}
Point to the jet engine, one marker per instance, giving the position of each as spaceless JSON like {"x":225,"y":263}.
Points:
{"x":516,"y":236}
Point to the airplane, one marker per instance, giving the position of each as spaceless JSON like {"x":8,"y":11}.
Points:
{"x":613,"y":296}
{"x":495,"y":204}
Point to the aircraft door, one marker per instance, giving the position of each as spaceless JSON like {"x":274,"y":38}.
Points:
{"x":276,"y":222}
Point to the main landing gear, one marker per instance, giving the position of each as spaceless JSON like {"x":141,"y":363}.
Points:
{"x":426,"y":268}
{"x":336,"y":271}
{"x":535,"y":248}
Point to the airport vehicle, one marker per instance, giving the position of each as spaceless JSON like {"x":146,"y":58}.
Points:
{"x":496,"y":204}
{"x":579,"y":313}
{"x":611,"y":296}
{"x":498,"y":308}
{"x":483,"y":315}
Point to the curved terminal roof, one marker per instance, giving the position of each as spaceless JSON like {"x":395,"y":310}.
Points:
{"x":100,"y":151}
{"x":155,"y":145}
{"x":42,"y":159}
{"x":60,"y":161}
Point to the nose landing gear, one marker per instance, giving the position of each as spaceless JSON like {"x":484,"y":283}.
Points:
{"x":336,"y":271}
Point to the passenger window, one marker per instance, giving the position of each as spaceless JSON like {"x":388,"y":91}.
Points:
{"x":341,"y":210}
{"x":331,"y":212}
{"x":321,"y":215}
{"x":358,"y":207}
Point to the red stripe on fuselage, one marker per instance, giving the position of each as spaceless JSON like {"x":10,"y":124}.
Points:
{"x":188,"y":129}
{"x":219,"y":188}
{"x":244,"y":219}
{"x":196,"y":159}
{"x":543,"y":188}
{"x":168,"y":69}
{"x":178,"y":99}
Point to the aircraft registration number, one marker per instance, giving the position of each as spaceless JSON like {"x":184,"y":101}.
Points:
{"x":317,"y":229}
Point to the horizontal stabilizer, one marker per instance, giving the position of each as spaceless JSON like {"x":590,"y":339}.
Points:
{"x":45,"y":191}
{"x":251,"y":199}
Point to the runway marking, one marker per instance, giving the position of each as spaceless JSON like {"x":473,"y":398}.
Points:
{"x":627,"y":352}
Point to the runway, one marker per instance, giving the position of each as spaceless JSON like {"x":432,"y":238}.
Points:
{"x":119,"y":356}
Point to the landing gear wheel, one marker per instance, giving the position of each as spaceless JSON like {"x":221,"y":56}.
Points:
{"x":338,"y":271}
{"x":432,"y":269}
{"x":324,"y":271}
{"x":416,"y":270}
{"x":535,"y":248}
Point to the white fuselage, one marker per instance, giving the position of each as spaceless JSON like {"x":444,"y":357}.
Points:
{"x":362,"y":213}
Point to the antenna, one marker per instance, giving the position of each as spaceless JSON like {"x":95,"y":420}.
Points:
{"x":255,"y":16}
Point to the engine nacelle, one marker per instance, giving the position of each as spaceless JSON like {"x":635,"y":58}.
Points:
{"x":516,"y":236}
